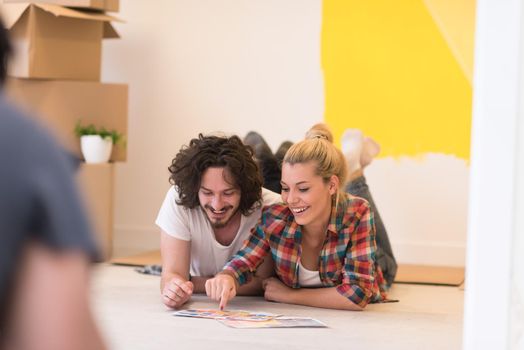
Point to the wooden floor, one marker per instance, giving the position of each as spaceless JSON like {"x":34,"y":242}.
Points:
{"x":130,"y":315}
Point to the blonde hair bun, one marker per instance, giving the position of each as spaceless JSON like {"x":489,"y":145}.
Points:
{"x":328,"y":158}
{"x":320,"y":130}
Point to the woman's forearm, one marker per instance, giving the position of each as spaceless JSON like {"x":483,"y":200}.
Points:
{"x":253,"y":287}
{"x":327,"y":298}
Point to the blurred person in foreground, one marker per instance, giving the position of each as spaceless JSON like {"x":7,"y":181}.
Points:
{"x":45,"y":243}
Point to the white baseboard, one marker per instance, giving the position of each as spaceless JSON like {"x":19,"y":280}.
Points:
{"x":134,"y":240}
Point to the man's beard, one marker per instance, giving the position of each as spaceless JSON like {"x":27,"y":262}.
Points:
{"x":221,"y":223}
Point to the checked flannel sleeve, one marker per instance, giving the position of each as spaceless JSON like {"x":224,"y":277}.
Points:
{"x":358,"y":282}
{"x":245,"y":262}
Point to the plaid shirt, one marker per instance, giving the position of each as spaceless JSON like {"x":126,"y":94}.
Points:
{"x":347,"y":258}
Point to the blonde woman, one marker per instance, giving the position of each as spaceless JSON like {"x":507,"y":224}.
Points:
{"x":321,"y":239}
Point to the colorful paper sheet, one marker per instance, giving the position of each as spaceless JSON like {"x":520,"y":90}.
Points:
{"x":240,"y":315}
{"x":250,"y":319}
{"x":277,"y":322}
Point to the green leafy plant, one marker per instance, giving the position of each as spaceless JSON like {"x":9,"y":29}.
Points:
{"x":82,"y":130}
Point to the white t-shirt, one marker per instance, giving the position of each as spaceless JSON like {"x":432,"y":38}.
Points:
{"x":308,"y":278}
{"x":208,"y":257}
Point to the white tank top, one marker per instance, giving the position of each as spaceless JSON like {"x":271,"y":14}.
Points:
{"x":308,"y":278}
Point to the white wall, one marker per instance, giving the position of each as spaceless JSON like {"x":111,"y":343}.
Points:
{"x":201,"y":66}
{"x":423,"y":202}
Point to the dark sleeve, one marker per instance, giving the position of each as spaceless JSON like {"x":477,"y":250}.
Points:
{"x":55,"y":215}
{"x":58,"y":217}
{"x":39,"y":200}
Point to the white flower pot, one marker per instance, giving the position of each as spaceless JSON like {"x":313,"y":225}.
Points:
{"x":96,"y":149}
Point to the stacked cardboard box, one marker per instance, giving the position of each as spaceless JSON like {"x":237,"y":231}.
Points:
{"x":55,"y":74}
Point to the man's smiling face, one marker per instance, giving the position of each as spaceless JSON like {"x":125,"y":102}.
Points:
{"x":219,"y":198}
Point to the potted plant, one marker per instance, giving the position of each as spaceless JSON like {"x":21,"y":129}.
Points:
{"x":96,"y":144}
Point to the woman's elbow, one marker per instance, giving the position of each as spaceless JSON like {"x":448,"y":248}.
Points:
{"x":352,"y":306}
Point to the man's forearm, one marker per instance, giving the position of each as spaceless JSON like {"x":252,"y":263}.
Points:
{"x":168,"y":276}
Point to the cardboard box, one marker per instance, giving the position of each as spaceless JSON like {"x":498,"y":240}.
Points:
{"x":60,"y":104}
{"x":103,"y":5}
{"x":96,"y":185}
{"x":54,"y":42}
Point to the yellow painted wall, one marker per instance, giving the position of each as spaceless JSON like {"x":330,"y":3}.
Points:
{"x":456,"y":21}
{"x":389,"y":71}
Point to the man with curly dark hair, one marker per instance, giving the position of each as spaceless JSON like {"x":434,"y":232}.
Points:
{"x":215,"y":201}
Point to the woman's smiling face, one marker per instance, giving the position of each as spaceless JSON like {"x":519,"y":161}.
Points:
{"x":307,"y":194}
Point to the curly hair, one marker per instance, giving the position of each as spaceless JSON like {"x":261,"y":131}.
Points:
{"x":216,"y":151}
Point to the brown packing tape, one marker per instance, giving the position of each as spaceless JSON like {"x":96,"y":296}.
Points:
{"x":143,"y":259}
{"x":424,"y":274}
{"x":60,"y":104}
